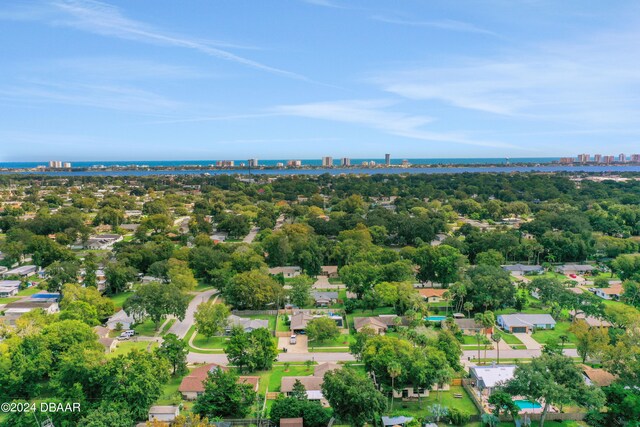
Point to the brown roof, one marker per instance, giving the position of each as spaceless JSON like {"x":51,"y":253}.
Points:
{"x":194,"y":381}
{"x":467,"y":324}
{"x":375,"y":322}
{"x":329,"y":269}
{"x":310,"y":383}
{"x":291,"y":422}
{"x":593,"y":322}
{"x":612,"y":290}
{"x":599,"y":377}
{"x":299,"y":320}
{"x":430,"y":292}
{"x":101,"y":331}
{"x":323,"y":368}
{"x":106,"y":342}
{"x":254,"y":381}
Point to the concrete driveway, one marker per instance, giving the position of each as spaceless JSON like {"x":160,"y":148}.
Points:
{"x":180,"y":328}
{"x":528,"y":341}
{"x":301,"y":345}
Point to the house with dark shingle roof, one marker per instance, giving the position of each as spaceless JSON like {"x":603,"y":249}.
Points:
{"x":525,"y":323}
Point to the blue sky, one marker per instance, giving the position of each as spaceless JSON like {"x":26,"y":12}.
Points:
{"x":204,"y":79}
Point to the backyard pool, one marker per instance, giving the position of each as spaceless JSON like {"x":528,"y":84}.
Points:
{"x":435,"y":318}
{"x":45,"y":296}
{"x":527,"y":404}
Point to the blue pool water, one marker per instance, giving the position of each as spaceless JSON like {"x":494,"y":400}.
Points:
{"x":45,"y":296}
{"x":435,"y":318}
{"x":526,"y":404}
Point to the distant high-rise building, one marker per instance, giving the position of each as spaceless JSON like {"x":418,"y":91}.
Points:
{"x":405,"y":163}
{"x":372,"y":163}
{"x":345,"y":161}
{"x":279,"y":164}
{"x":583,"y":158}
{"x":607,"y":160}
{"x":55,"y":164}
{"x":253,"y":163}
{"x":327,"y":161}
{"x":224,"y":163}
{"x":66,"y":165}
{"x":387,"y":159}
{"x":635,"y":158}
{"x":365,"y":163}
{"x":294,"y":163}
{"x":622,"y":158}
{"x":566,"y":160}
{"x":597,"y":158}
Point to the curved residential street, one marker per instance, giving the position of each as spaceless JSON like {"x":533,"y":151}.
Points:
{"x":180,"y":328}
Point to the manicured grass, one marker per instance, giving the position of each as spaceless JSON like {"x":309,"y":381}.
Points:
{"x":202,"y":287}
{"x":147,"y":328}
{"x":416,"y":409}
{"x":119,"y":299}
{"x":562,"y":328}
{"x":8,"y":300}
{"x":272,"y":378}
{"x":335,"y":281}
{"x":170,"y":395}
{"x":167,"y":326}
{"x":127,"y":346}
{"x":212,"y":343}
{"x":282,"y":326}
{"x":342,"y":341}
{"x":509,"y":338}
{"x":29,"y":291}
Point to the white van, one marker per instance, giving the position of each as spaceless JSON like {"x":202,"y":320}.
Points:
{"x":293,"y":339}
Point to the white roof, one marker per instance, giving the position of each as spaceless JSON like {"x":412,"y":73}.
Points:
{"x":492,"y":375}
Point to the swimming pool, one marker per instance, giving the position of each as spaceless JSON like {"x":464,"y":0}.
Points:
{"x":527,"y":404}
{"x":435,"y":318}
{"x":45,"y":296}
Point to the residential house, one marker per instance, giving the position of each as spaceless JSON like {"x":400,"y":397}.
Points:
{"x":109,"y":344}
{"x":15,"y":310}
{"x":577,"y":269}
{"x":99,"y":242}
{"x":287,"y":272}
{"x":396,"y":421}
{"x":23,"y":271}
{"x":219,"y":236}
{"x":596,"y":376}
{"x":486,"y":378}
{"x":312,"y":383}
{"x":374,"y":323}
{"x":331,"y":271}
{"x":525,"y":323}
{"x":519,"y":270}
{"x":299,"y":320}
{"x":246,"y":324}
{"x":467,"y":326}
{"x":122,"y":318}
{"x":432,"y":294}
{"x":592,"y":321}
{"x":410,"y":393}
{"x":193,"y":384}
{"x":324,"y":299}
{"x":613,"y":292}
{"x":9,"y":288}
{"x":164,"y":413}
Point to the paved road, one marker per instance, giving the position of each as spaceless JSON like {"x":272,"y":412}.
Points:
{"x":251,"y":236}
{"x":282,"y":357}
{"x":181,"y":328}
{"x":511,"y":354}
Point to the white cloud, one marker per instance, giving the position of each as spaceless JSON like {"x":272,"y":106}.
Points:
{"x":442,"y":24}
{"x":375,"y":114}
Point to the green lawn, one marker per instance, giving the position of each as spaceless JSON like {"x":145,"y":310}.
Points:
{"x":170,"y":395}
{"x":272,"y":378}
{"x":342,"y":341}
{"x":413,"y":408}
{"x":29,"y":291}
{"x":127,"y":346}
{"x":509,"y":338}
{"x":213,"y":343}
{"x":167,"y":326}
{"x":119,"y":299}
{"x":8,"y":300}
{"x":147,"y":328}
{"x":562,"y":328}
{"x":335,"y":281}
{"x":282,"y":326}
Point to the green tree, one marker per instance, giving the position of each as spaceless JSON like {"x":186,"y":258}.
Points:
{"x":181,"y":275}
{"x":72,"y":292}
{"x":300,"y":292}
{"x":589,"y":341}
{"x":118,"y":277}
{"x":321,"y":329}
{"x":252,"y":290}
{"x":438,"y":264}
{"x":61,"y":272}
{"x":174,"y":350}
{"x":224,"y":396}
{"x":353,"y":397}
{"x":503,"y":403}
{"x":211,"y":319}
{"x":156,"y":301}
{"x":553,"y":380}
{"x":251,"y":351}
{"x":490,"y":257}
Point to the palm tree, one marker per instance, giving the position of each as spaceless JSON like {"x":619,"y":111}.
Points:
{"x":468,"y":306}
{"x":479,"y":336}
{"x":394,"y":370}
{"x":488,"y":321}
{"x":496,"y":339}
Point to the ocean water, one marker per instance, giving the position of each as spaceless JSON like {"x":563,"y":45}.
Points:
{"x":305,"y":162}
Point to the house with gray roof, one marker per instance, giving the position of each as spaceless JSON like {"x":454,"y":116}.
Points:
{"x":324,"y":299}
{"x":246,"y":324}
{"x":576,"y":269}
{"x":522,"y":269}
{"x":525,"y":323}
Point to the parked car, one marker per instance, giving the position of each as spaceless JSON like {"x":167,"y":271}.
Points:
{"x":124,"y":336}
{"x":130,"y":332}
{"x":573,"y":276}
{"x":293,"y":339}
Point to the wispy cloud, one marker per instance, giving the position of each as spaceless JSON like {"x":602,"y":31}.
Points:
{"x":324,"y":3}
{"x":442,"y":24}
{"x":376,"y":115}
{"x":587,"y":81}
{"x":107,"y":20}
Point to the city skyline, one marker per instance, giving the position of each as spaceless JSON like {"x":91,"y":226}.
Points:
{"x":85,"y":80}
